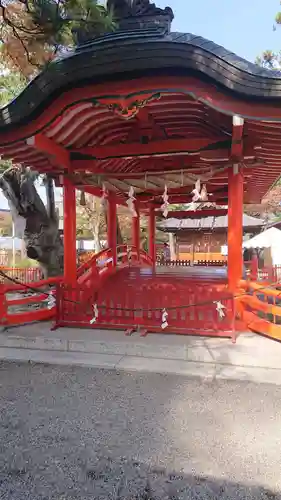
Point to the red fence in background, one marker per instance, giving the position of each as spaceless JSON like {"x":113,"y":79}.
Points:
{"x":20,"y":304}
{"x":186,"y":263}
{"x":24,"y":275}
{"x":267,"y":274}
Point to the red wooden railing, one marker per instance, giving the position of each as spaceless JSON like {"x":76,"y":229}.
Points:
{"x":266,"y":274}
{"x":137,"y":301}
{"x":94,"y":271}
{"x":21,"y":304}
{"x":260,"y":308}
{"x":24,"y":275}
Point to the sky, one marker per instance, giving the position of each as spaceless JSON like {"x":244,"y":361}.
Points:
{"x":244,"y":27}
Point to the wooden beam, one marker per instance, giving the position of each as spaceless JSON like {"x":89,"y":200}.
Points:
{"x":154,"y":148}
{"x":58,"y":155}
{"x":95,"y":191}
{"x":206,"y":157}
{"x":145,"y":125}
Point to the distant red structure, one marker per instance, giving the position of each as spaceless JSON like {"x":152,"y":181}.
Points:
{"x":139,"y":117}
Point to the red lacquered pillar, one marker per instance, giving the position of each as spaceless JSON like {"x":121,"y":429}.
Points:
{"x":235,"y":226}
{"x":151,"y":235}
{"x":112,"y":228}
{"x":136,"y":232}
{"x":69,"y":231}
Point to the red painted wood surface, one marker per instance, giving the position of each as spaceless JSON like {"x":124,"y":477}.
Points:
{"x":100,"y":266}
{"x":19,"y":301}
{"x":69,"y":239}
{"x":72,"y":121}
{"x":112,"y":227}
{"x":134,"y":299}
{"x":260,"y":308}
{"x":235,"y":227}
{"x":205,"y":92}
{"x":151,"y":234}
{"x":136,"y":231}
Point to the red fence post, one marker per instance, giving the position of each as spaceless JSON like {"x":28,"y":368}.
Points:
{"x":254,"y":268}
{"x":58,"y":307}
{"x":3,"y":307}
{"x":112,"y":228}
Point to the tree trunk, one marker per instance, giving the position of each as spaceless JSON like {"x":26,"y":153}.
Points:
{"x":119,"y":232}
{"x":97,"y":209}
{"x":43,"y":243}
{"x":41,"y":232}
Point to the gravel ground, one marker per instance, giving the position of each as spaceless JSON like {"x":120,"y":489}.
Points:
{"x":76,"y":433}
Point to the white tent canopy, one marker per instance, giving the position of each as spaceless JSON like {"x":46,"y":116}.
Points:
{"x":271,"y":239}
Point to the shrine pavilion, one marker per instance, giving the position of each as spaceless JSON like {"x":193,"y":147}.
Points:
{"x":204,"y":240}
{"x":147,"y":117}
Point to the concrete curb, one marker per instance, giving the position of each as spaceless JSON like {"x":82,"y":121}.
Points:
{"x":250,"y":350}
{"x":204,"y":371}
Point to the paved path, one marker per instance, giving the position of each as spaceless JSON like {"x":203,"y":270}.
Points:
{"x":77,"y":433}
{"x":252,"y":358}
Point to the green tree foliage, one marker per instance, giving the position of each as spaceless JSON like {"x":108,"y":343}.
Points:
{"x":11,"y":84}
{"x":270,"y":59}
{"x":33,"y":31}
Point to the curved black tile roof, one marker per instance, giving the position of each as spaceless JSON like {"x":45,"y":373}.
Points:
{"x":153,"y":51}
{"x":218,"y":222}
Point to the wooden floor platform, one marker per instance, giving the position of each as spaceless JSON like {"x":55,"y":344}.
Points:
{"x":198,"y":274}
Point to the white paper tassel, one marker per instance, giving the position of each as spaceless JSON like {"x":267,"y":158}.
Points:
{"x":220,"y":308}
{"x":204,"y":193}
{"x":131,"y":202}
{"x":198,"y":193}
{"x":164,"y":319}
{"x":51,"y":301}
{"x":165,"y":206}
{"x":96,"y":314}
